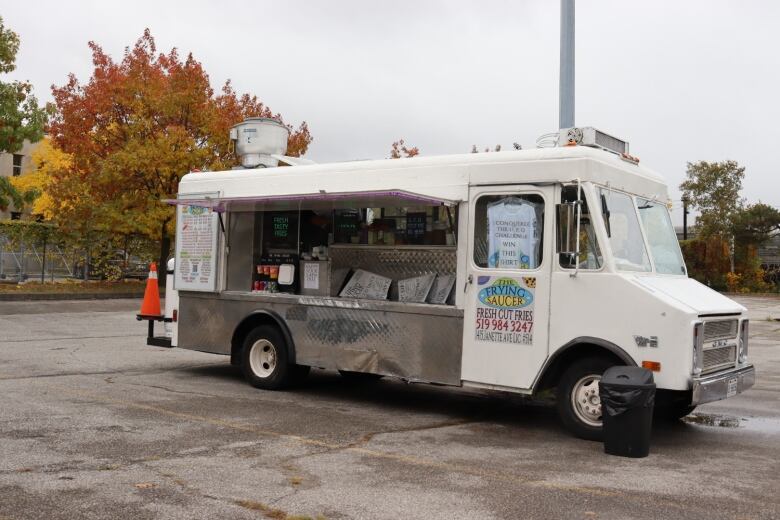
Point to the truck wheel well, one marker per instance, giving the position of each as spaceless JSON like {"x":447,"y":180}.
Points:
{"x":253,"y":321}
{"x":573,"y":352}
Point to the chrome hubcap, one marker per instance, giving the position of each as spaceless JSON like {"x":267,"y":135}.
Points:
{"x":262,"y":358}
{"x":585,"y":400}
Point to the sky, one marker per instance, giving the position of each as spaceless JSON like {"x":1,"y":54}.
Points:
{"x":681,"y":81}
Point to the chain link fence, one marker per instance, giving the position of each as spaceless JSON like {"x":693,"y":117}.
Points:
{"x":108,"y":257}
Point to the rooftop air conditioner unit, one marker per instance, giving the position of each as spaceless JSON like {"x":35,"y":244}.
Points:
{"x":589,"y":136}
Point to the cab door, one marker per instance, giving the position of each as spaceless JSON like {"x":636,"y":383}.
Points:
{"x":507,"y":287}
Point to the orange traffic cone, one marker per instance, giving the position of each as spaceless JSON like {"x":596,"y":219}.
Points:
{"x":151,"y":303}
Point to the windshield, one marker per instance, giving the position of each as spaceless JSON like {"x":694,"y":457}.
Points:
{"x":664,"y":247}
{"x":625,"y":235}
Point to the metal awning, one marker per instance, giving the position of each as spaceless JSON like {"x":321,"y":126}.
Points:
{"x":321,"y":200}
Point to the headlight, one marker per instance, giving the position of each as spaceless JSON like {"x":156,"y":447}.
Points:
{"x":698,"y":345}
{"x":743,"y":341}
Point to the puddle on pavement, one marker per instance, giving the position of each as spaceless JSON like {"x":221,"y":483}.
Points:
{"x":724,"y":421}
{"x":757,"y":424}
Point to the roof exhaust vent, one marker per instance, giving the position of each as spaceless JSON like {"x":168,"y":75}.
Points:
{"x":260,"y":142}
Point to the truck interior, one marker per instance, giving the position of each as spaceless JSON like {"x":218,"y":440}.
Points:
{"x":396,"y":251}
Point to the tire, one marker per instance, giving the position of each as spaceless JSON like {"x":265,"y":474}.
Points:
{"x":583,"y":419}
{"x":359,"y":377}
{"x":673,"y":412}
{"x":265,"y":360}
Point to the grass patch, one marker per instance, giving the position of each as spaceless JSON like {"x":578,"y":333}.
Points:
{"x":272,"y":513}
{"x":71,"y":287}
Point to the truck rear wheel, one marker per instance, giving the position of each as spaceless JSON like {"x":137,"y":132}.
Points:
{"x":264,"y":359}
{"x":577,"y":397}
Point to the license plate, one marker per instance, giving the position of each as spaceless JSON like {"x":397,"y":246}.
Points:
{"x":731,"y":389}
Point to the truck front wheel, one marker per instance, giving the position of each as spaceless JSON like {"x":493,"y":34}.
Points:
{"x":577,"y":397}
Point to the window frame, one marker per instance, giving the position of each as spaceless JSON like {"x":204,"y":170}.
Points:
{"x":472,"y":229}
{"x":597,"y":221}
{"x":16,"y":169}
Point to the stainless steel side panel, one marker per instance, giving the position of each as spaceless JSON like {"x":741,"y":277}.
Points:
{"x":241,"y":229}
{"x":419,"y":342}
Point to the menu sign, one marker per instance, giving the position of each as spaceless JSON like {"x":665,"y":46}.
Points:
{"x":196,"y":246}
{"x":442,"y":287}
{"x":415,"y":227}
{"x":280,"y":230}
{"x":415,"y":289}
{"x":346,"y":226}
{"x":366,"y":285}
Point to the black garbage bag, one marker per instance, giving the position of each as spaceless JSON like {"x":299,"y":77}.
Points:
{"x":627,"y":399}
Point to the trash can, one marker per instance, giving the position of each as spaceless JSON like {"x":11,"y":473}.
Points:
{"x":627,"y":397}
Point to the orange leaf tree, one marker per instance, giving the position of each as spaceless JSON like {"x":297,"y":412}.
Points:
{"x":399,"y":149}
{"x":135,"y":128}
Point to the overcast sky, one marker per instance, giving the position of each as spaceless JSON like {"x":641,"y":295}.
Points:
{"x":681,"y":81}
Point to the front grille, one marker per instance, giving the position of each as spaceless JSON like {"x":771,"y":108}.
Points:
{"x":718,"y":357}
{"x":723,"y":329}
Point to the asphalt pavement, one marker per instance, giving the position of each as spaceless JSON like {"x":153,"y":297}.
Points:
{"x":95,"y":424}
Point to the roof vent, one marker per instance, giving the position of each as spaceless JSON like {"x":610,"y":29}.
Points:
{"x":260,"y":141}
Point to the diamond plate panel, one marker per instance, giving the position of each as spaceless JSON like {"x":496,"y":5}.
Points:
{"x":411,"y":346}
{"x":396,"y":262}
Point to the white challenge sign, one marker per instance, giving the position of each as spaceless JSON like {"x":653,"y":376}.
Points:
{"x":513,"y":236}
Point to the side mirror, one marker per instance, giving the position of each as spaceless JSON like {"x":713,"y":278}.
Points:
{"x":566,"y":238}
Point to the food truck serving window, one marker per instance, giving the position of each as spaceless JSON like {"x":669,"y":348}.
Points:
{"x":397,"y":251}
{"x":508,"y":231}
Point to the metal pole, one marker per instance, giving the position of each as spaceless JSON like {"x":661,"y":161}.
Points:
{"x":685,"y":218}
{"x":566,"y":88}
{"x":43,"y":261}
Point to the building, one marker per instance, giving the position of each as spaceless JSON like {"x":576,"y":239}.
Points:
{"x":13,"y":165}
{"x":769,"y":254}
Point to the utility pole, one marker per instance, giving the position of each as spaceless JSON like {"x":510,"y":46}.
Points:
{"x":685,"y":217}
{"x":566,"y":87}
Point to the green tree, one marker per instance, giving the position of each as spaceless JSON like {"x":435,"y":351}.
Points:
{"x":713,"y":189}
{"x":10,"y":194}
{"x":20,"y":116}
{"x":756,"y":223}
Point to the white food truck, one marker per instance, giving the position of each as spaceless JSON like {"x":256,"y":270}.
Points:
{"x":513,"y":271}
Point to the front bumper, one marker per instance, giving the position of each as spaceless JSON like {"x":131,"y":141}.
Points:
{"x":716,"y":386}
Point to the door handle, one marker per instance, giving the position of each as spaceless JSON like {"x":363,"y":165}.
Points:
{"x":469,"y":280}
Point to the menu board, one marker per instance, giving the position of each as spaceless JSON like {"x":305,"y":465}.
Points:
{"x":367,"y":285}
{"x":280,"y":230}
{"x":347,"y":225}
{"x":196,"y":246}
{"x":441,"y":289}
{"x":415,"y":289}
{"x":415,"y":227}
